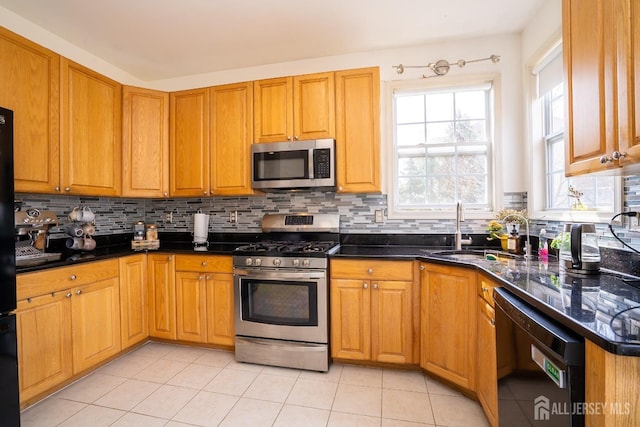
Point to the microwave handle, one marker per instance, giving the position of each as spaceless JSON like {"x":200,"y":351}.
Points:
{"x":311,"y":163}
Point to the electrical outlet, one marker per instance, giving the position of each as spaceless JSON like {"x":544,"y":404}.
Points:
{"x":233,"y":216}
{"x":634,"y":224}
{"x":379,"y":215}
{"x":634,"y":327}
{"x":168,"y":217}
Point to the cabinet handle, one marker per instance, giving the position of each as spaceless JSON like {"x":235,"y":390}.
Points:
{"x":493,"y":322}
{"x":208,"y":277}
{"x":73,"y":277}
{"x":67,"y":189}
{"x":53,"y":294}
{"x":604,"y":160}
{"x":203,"y":263}
{"x":370,"y":271}
{"x":375,"y":286}
{"x":68,"y":295}
{"x":288,"y":138}
{"x":364,"y":285}
{"x":199,"y":278}
{"x":29,"y":300}
{"x":78,"y":292}
{"x":57,"y":189}
{"x":204,"y":192}
{"x":484,"y":289}
{"x":165,"y":194}
{"x":295,"y":138}
{"x":617,"y":155}
{"x":422,"y":267}
{"x":168,"y":258}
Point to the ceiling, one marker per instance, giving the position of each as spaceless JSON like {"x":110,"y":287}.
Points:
{"x":163,"y":39}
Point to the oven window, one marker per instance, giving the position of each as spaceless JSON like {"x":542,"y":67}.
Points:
{"x":280,"y":303}
{"x":281,"y":165}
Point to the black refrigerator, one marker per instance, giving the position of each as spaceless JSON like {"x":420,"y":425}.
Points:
{"x":9,"y":399}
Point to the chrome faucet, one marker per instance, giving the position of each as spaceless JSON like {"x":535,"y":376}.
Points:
{"x":459,"y":241}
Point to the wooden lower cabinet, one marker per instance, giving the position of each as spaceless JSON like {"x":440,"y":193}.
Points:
{"x":486,"y":373}
{"x":44,"y":342}
{"x":372,"y":310}
{"x":204,"y":299}
{"x":611,"y":380}
{"x":95,"y":320}
{"x":134,"y":299}
{"x":448,"y":323}
{"x":162,"y":295}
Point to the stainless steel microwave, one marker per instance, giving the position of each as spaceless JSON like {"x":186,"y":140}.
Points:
{"x":294,"y":165}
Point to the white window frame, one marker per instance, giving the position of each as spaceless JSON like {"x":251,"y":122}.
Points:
{"x":495,"y":176}
{"x":537,"y":148}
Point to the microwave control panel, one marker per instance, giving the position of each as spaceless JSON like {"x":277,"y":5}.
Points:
{"x":322,"y":163}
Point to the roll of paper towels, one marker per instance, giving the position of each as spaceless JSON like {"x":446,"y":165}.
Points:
{"x":200,"y":227}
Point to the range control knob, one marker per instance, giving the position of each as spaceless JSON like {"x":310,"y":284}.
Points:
{"x":296,"y":262}
{"x":277,"y":262}
{"x":305,"y":263}
{"x":258,"y":261}
{"x":248,"y":261}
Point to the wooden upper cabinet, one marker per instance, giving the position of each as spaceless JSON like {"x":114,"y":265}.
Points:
{"x":90,"y":132}
{"x":145,"y":142}
{"x":189,"y":143}
{"x":30,"y":86}
{"x":294,"y":108}
{"x":314,"y":106}
{"x":231,"y":122}
{"x":358,"y":130}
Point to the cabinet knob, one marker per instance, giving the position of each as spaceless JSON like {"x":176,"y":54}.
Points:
{"x":493,"y":322}
{"x":29,"y":300}
{"x":199,"y":278}
{"x":617,"y":155}
{"x":422,"y":267}
{"x":57,"y":189}
{"x":208,"y":277}
{"x":78,"y":292}
{"x":484,"y":289}
{"x":165,"y":194}
{"x":288,"y":138}
{"x":169,"y":258}
{"x":67,"y":189}
{"x":370,"y":271}
{"x":604,"y":160}
{"x":68,"y":295}
{"x":375,"y":286}
{"x":295,"y":138}
{"x":204,"y":264}
{"x":204,"y":192}
{"x":365,"y":285}
{"x":73,"y":277}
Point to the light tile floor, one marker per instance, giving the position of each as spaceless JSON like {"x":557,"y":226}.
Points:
{"x":170,"y":385}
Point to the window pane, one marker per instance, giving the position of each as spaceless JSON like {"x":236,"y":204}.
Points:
{"x":440,"y":165}
{"x":410,"y":134}
{"x":411,"y":191}
{"x":470,"y":131}
{"x":412,"y":166}
{"x":439,"y":107}
{"x":410,"y":109}
{"x":471,"y":105}
{"x":472,"y":189}
{"x":472,"y":164}
{"x":442,"y":190}
{"x":439,"y":133}
{"x":557,"y":115}
{"x":556,"y":160}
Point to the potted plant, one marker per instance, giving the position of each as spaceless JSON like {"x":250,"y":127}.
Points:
{"x":505,"y":217}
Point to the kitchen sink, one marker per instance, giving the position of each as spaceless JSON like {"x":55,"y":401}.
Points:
{"x":471,"y":254}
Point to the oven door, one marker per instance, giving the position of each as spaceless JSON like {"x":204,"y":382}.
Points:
{"x":286,"y":305}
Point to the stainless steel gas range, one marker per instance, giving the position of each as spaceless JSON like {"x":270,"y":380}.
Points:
{"x":281,"y":291}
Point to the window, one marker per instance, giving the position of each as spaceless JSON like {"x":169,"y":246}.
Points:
{"x":442,"y":148}
{"x":581,"y":198}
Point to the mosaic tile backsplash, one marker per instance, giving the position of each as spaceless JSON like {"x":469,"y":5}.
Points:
{"x":357,"y":213}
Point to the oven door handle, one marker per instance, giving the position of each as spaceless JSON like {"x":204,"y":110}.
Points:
{"x":266,"y":274}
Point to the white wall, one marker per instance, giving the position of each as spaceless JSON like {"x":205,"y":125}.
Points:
{"x":507,"y":46}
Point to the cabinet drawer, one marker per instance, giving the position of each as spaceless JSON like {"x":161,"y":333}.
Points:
{"x":371,"y":269}
{"x":485,"y":288}
{"x":204,"y":263}
{"x":55,"y":279}
{"x":486,"y":309}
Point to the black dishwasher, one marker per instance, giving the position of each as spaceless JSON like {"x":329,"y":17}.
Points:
{"x":540,"y":367}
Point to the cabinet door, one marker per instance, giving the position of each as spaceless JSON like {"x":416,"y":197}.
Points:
{"x":314,"y":106}
{"x":145,"y":142}
{"x":44,"y":343}
{"x":486,"y":373}
{"x":30,"y":86}
{"x":350,"y":319}
{"x":191,"y":306}
{"x":358,"y":130}
{"x":162,"y":296}
{"x":189,"y":143}
{"x":273,"y":110}
{"x":589,"y":51}
{"x":391,"y":322}
{"x":95,"y":323}
{"x":220,"y":319}
{"x":231,"y":135}
{"x":134,"y":316}
{"x":90,"y":132}
{"x":448,"y":323}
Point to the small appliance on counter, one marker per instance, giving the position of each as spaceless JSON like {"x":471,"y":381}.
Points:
{"x":200,"y":231}
{"x":81,"y":229}
{"x":580,"y":254}
{"x":32,"y":236}
{"x":145,"y":236}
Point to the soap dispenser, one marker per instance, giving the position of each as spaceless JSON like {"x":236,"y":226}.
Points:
{"x":513,"y":241}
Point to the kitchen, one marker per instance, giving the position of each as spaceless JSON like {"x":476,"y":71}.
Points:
{"x":115,"y":216}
